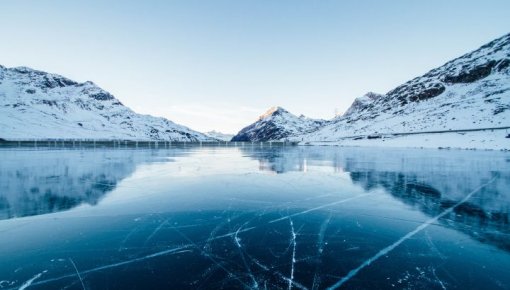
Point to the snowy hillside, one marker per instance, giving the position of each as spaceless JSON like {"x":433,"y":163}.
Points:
{"x":362,"y":103}
{"x":277,"y":124}
{"x":470,"y":92}
{"x":439,"y":109}
{"x":36,"y":104}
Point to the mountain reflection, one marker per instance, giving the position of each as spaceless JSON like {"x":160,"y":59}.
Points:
{"x":428,"y":180}
{"x":39,"y":182}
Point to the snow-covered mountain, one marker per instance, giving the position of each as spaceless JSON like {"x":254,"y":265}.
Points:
{"x":362,"y":103}
{"x":36,"y":104}
{"x":469,"y":92}
{"x":219,"y":136}
{"x":277,"y":124}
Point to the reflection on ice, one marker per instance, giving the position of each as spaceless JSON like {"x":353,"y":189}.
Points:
{"x":39,"y":182}
{"x":32,"y":183}
{"x":214,"y":218}
{"x":428,"y":180}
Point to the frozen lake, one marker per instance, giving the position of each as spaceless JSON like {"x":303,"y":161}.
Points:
{"x":251,"y":217}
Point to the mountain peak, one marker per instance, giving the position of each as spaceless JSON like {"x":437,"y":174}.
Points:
{"x":470,"y":92}
{"x":361,"y":103}
{"x":371,"y":95}
{"x":273,"y":111}
{"x":277,"y":124}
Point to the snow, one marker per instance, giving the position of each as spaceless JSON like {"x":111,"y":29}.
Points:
{"x":36,"y":104}
{"x":471,"y":92}
{"x":277,"y":124}
{"x":362,"y":102}
{"x":270,"y":112}
{"x":488,"y":139}
{"x":219,"y":135}
{"x":483,"y":103}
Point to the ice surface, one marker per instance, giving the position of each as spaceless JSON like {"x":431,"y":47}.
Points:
{"x":252,"y":217}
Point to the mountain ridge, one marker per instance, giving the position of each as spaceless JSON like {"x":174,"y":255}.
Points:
{"x":276,"y":124}
{"x":471,"y":91}
{"x":38,"y":104}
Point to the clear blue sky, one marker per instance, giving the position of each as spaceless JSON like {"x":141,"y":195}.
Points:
{"x":220,"y":64}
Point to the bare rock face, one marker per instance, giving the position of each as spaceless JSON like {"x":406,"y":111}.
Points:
{"x":362,"y":103}
{"x":469,"y":92}
{"x":471,"y":75}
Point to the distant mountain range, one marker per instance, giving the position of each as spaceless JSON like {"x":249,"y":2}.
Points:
{"x":36,"y":104}
{"x":219,"y":136}
{"x":466,"y":101}
{"x":468,"y":93}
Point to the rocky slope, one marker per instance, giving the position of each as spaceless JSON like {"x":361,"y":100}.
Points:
{"x":362,"y":103}
{"x":277,"y":124}
{"x":469,"y":92}
{"x":36,"y":104}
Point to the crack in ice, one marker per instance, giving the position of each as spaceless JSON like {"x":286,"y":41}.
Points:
{"x":320,"y":249}
{"x":293,"y":241}
{"x":418,"y":229}
{"x":296,"y":284}
{"x":280,"y":275}
{"x":433,"y":247}
{"x":438,"y":280}
{"x":319,"y":207}
{"x":177,"y":250}
{"x":210,"y":256}
{"x":78,"y":273}
{"x":127,"y":237}
{"x":158,"y":228}
{"x":31,"y":280}
{"x":239,"y":247}
{"x":322,"y":231}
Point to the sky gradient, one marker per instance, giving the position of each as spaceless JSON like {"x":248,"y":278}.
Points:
{"x":220,"y":64}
